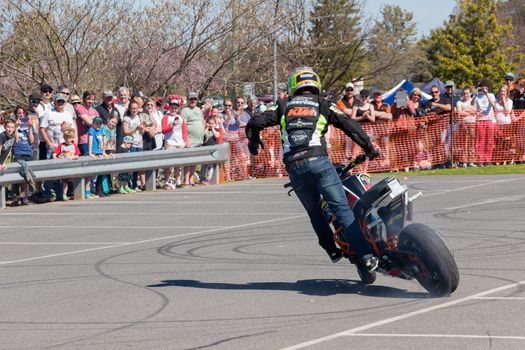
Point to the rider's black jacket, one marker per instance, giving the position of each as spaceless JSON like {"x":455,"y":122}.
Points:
{"x":304,"y":121}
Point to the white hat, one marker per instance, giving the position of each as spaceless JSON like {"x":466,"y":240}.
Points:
{"x":349,"y":85}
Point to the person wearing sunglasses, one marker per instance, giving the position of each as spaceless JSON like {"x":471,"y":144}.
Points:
{"x":195,"y":124}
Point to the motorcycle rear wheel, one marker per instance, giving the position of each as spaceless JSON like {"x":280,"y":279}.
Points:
{"x":436,"y":268}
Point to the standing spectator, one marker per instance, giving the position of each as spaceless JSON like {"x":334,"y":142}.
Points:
{"x":363,"y":112}
{"x":212,"y":136}
{"x":85,"y":115}
{"x":32,"y":114}
{"x":67,"y":150}
{"x":467,"y":122}
{"x":383,"y":116}
{"x":195,"y":125}
{"x":23,"y":150}
{"x":346,"y":105}
{"x":107,"y":108}
{"x":134,"y":127}
{"x":504,"y":118}
{"x":484,"y":101}
{"x":123,"y":100}
{"x":52,"y":128}
{"x":46,"y":104}
{"x":175,"y":137}
{"x":66,"y":92}
{"x":96,"y":144}
{"x":519,"y":112}
{"x":234,"y":122}
{"x":509,"y":83}
{"x":159,"y":135}
{"x":251,"y":109}
{"x":436,"y":104}
{"x":149,"y":116}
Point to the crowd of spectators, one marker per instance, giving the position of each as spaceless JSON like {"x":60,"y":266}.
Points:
{"x":486,"y":125}
{"x":58,"y":124}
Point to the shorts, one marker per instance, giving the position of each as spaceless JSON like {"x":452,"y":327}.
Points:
{"x":25,"y":158}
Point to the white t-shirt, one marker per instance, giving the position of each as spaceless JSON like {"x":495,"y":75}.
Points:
{"x":465,"y":106}
{"x":55,"y":122}
{"x":41,"y":110}
{"x":501,"y":117}
{"x":484,"y":107}
{"x":137,"y":136}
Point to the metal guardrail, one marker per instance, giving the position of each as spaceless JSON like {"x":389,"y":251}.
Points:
{"x":84,"y":167}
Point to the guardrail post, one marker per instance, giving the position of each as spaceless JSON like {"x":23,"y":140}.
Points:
{"x":151,"y":180}
{"x":216,"y":173}
{"x":2,"y":200}
{"x":79,"y":188}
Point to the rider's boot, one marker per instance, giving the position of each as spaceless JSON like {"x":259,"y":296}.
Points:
{"x":361,"y":246}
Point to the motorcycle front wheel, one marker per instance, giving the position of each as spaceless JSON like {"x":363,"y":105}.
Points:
{"x":434,"y":266}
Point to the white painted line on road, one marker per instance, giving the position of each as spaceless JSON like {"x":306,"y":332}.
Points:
{"x":222,"y":213}
{"x":112,"y":227}
{"x":500,"y":298}
{"x":186,"y":201}
{"x":461,"y":336}
{"x":472,"y":186}
{"x":401,"y":317}
{"x":151,"y":240}
{"x":514,"y":198}
{"x":60,"y":243}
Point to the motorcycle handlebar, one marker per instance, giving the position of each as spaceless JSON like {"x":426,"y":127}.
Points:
{"x":353,"y":163}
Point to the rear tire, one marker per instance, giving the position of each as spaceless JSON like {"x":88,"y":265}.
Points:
{"x":366,"y":276}
{"x":439,"y":274}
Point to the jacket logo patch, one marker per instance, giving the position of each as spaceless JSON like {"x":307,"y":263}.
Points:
{"x":298,"y":137}
{"x":301,"y":112}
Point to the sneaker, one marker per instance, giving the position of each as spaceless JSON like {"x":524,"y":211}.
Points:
{"x":205,"y":182}
{"x":472,"y":165}
{"x":65,"y":198}
{"x":122,"y":190}
{"x":369,"y":262}
{"x":167,"y":186}
{"x":89,"y":195}
{"x":138,"y":189}
{"x":129,"y":189}
{"x":336,"y":256}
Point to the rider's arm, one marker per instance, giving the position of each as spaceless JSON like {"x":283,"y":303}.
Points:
{"x":260,"y":121}
{"x":350,"y":127}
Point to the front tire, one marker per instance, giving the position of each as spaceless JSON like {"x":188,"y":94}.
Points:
{"x":436,"y":268}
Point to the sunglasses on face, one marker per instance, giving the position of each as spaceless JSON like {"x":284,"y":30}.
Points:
{"x":47,"y":91}
{"x":349,"y":90}
{"x":193,"y":99}
{"x":65,"y":93}
{"x":434,"y":92}
{"x":35,"y":101}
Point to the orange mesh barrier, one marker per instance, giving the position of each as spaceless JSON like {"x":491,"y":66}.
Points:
{"x":404,"y":143}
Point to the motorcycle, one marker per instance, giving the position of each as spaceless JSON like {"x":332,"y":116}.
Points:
{"x":404,"y":249}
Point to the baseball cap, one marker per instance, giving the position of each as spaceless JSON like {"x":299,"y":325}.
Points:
{"x":108,"y":93}
{"x":449,"y":83}
{"x":46,"y":87}
{"x":98,"y":120}
{"x":75,"y":99}
{"x":377,"y":92}
{"x":509,"y":75}
{"x":174,"y":102}
{"x":60,"y":97}
{"x":349,"y":86}
{"x":193,"y":95}
{"x":35,"y":96}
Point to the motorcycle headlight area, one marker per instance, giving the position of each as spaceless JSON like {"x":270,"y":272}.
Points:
{"x":396,"y":188}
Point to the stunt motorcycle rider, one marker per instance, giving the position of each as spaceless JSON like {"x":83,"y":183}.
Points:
{"x":304,"y":118}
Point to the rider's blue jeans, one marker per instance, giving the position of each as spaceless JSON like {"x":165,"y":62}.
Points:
{"x":313,"y":177}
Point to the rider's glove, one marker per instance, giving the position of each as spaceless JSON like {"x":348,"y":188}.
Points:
{"x":374,"y":153}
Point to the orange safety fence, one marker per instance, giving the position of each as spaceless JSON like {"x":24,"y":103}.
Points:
{"x":404,"y":143}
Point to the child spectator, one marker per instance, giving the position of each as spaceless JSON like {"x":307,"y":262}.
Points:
{"x":175,"y":136}
{"x":7,"y":140}
{"x":110,"y":133}
{"x":67,"y":150}
{"x":422,"y":160}
{"x":22,"y":150}
{"x":125,"y":178}
{"x":96,"y":144}
{"x":212,"y":136}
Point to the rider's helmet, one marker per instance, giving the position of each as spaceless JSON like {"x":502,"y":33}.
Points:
{"x":301,"y":78}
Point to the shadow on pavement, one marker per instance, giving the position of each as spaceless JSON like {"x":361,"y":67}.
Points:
{"x":319,"y":287}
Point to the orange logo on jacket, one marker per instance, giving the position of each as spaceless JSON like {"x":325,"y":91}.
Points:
{"x":301,"y":112}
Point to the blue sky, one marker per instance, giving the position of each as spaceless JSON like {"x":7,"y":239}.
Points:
{"x":427,"y":14}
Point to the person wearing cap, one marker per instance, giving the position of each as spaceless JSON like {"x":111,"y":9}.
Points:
{"x":195,"y":125}
{"x":75,"y":100}
{"x":52,"y":127}
{"x":383,"y":114}
{"x":347,"y":102}
{"x":32,"y":113}
{"x":509,"y":82}
{"x":45,"y":105}
{"x":107,"y":108}
{"x":175,"y":137}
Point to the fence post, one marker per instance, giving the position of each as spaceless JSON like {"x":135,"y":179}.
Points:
{"x":79,"y":188}
{"x":2,"y":200}
{"x":151,"y":180}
